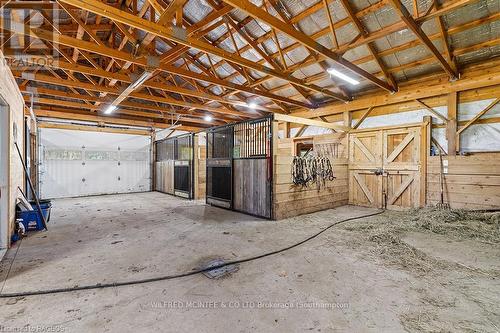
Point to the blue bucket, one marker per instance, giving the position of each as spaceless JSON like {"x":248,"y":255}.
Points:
{"x":32,"y":219}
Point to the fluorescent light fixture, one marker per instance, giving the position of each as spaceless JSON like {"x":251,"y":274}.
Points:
{"x":342,"y":76}
{"x":252,"y":105}
{"x":110,"y":109}
{"x":208,"y":118}
{"x":145,"y":76}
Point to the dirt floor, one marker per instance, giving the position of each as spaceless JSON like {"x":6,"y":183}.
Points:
{"x":421,"y":271}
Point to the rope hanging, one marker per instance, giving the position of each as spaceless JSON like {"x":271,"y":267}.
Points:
{"x":311,"y":169}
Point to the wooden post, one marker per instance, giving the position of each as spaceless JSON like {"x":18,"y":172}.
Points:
{"x":287,"y":130}
{"x":425,"y":148}
{"x":451,"y":125}
{"x":196,"y":166}
{"x":348,"y":119}
{"x":153,"y":160}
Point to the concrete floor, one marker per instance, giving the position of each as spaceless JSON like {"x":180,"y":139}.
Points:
{"x":324,"y":285}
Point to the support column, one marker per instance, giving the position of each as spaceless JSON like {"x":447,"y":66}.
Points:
{"x":426,"y":139}
{"x":347,"y":119}
{"x":451,"y":125}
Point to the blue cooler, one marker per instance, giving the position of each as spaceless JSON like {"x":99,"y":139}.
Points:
{"x":32,"y":219}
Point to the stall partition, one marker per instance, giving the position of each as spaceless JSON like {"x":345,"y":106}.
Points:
{"x":239,"y":167}
{"x":174,"y":168}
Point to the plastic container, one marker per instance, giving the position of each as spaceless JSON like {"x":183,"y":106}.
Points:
{"x":32,"y":219}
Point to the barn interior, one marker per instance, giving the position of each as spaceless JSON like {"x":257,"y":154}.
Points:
{"x":250,"y":165}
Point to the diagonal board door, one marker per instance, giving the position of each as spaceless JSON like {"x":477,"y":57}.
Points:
{"x":365,"y":157}
{"x":401,"y":163}
{"x":384,"y":168}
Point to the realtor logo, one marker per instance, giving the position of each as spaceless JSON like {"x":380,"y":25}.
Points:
{"x":29,"y":30}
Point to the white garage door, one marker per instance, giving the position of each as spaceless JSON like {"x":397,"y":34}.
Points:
{"x":80,"y":163}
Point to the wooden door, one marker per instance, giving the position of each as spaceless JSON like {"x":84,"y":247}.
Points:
{"x":384,"y":168}
{"x":365,"y":157}
{"x":401,"y":164}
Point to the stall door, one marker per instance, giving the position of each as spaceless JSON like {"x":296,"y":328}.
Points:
{"x":384,"y":168}
{"x":252,"y":167}
{"x":82,"y":163}
{"x":401,"y":164}
{"x":183,"y":166}
{"x":365,"y":158}
{"x":220,"y":167}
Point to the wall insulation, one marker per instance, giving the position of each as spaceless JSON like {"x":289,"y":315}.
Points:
{"x":82,"y":163}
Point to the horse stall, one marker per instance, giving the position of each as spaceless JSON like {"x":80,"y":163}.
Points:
{"x":239,"y":167}
{"x":175,"y":167}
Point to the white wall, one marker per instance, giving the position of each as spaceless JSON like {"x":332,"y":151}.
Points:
{"x":12,"y":96}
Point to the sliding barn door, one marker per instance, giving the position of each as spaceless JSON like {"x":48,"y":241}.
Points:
{"x":384,"y":168}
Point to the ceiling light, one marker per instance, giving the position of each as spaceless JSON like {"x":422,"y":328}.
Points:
{"x":145,"y":76}
{"x":342,"y":76}
{"x":252,"y":105}
{"x":110,"y":109}
{"x":208,"y":118}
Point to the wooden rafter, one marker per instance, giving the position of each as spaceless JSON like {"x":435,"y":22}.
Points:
{"x":173,"y":34}
{"x":302,"y":38}
{"x":417,"y":30}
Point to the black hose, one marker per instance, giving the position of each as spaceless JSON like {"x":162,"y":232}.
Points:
{"x":181,"y":275}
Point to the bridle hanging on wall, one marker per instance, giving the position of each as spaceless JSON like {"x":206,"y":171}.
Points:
{"x":312,"y":169}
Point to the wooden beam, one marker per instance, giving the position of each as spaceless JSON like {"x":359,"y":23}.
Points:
{"x":119,"y":55}
{"x":66,"y":66}
{"x":309,"y":122}
{"x":91,"y":128}
{"x":473,"y":77}
{"x":347,"y":116}
{"x":179,"y":35}
{"x":371,"y":46}
{"x":431,"y":110}
{"x":70,"y":115}
{"x":477,"y":116}
{"x":114,"y":91}
{"x":300,"y":131}
{"x":417,"y":30}
{"x":363,"y":117}
{"x":305,"y":40}
{"x":451,"y":124}
{"x":425,"y":150}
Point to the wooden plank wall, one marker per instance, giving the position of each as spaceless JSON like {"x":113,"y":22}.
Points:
{"x":200,"y":178}
{"x":472,"y":182}
{"x":289,"y":200}
{"x":164,"y":175}
{"x":251,"y":187}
